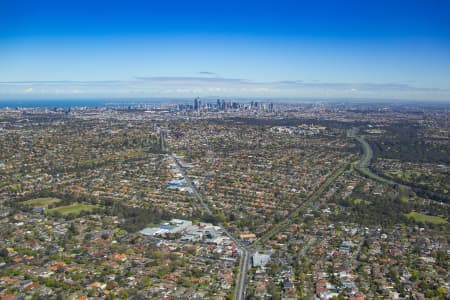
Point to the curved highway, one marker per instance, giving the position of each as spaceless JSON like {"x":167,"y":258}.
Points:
{"x":366,"y":158}
{"x":363,"y":166}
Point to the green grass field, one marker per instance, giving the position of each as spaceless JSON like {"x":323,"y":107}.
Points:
{"x":359,"y":201}
{"x":418,"y":217}
{"x":435,"y":182}
{"x":75,"y":209}
{"x":42,"y":202}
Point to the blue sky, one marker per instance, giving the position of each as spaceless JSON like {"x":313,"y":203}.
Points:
{"x":270,"y":49}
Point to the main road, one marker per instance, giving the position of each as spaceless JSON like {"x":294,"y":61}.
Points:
{"x":241,"y":282}
{"x":191,"y":185}
{"x":244,"y":262}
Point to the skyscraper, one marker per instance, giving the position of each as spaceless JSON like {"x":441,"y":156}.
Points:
{"x":197,"y":104}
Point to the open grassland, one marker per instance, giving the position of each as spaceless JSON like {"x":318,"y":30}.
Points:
{"x":75,"y":209}
{"x":435,"y":181}
{"x":418,"y":217}
{"x":42,"y":202}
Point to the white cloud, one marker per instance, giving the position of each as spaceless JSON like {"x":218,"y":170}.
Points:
{"x":178,"y":86}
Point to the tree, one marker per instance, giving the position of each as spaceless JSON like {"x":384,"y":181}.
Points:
{"x":4,"y":253}
{"x":275,"y":291}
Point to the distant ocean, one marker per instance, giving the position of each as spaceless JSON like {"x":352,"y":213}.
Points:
{"x":65,"y":103}
{"x":45,"y":103}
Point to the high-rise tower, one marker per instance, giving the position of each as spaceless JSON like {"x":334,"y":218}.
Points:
{"x":197,"y":104}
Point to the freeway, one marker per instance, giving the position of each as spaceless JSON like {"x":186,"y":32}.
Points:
{"x":363,"y":166}
{"x":367,"y":153}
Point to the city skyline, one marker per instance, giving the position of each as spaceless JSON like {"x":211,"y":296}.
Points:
{"x":288,"y":50}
